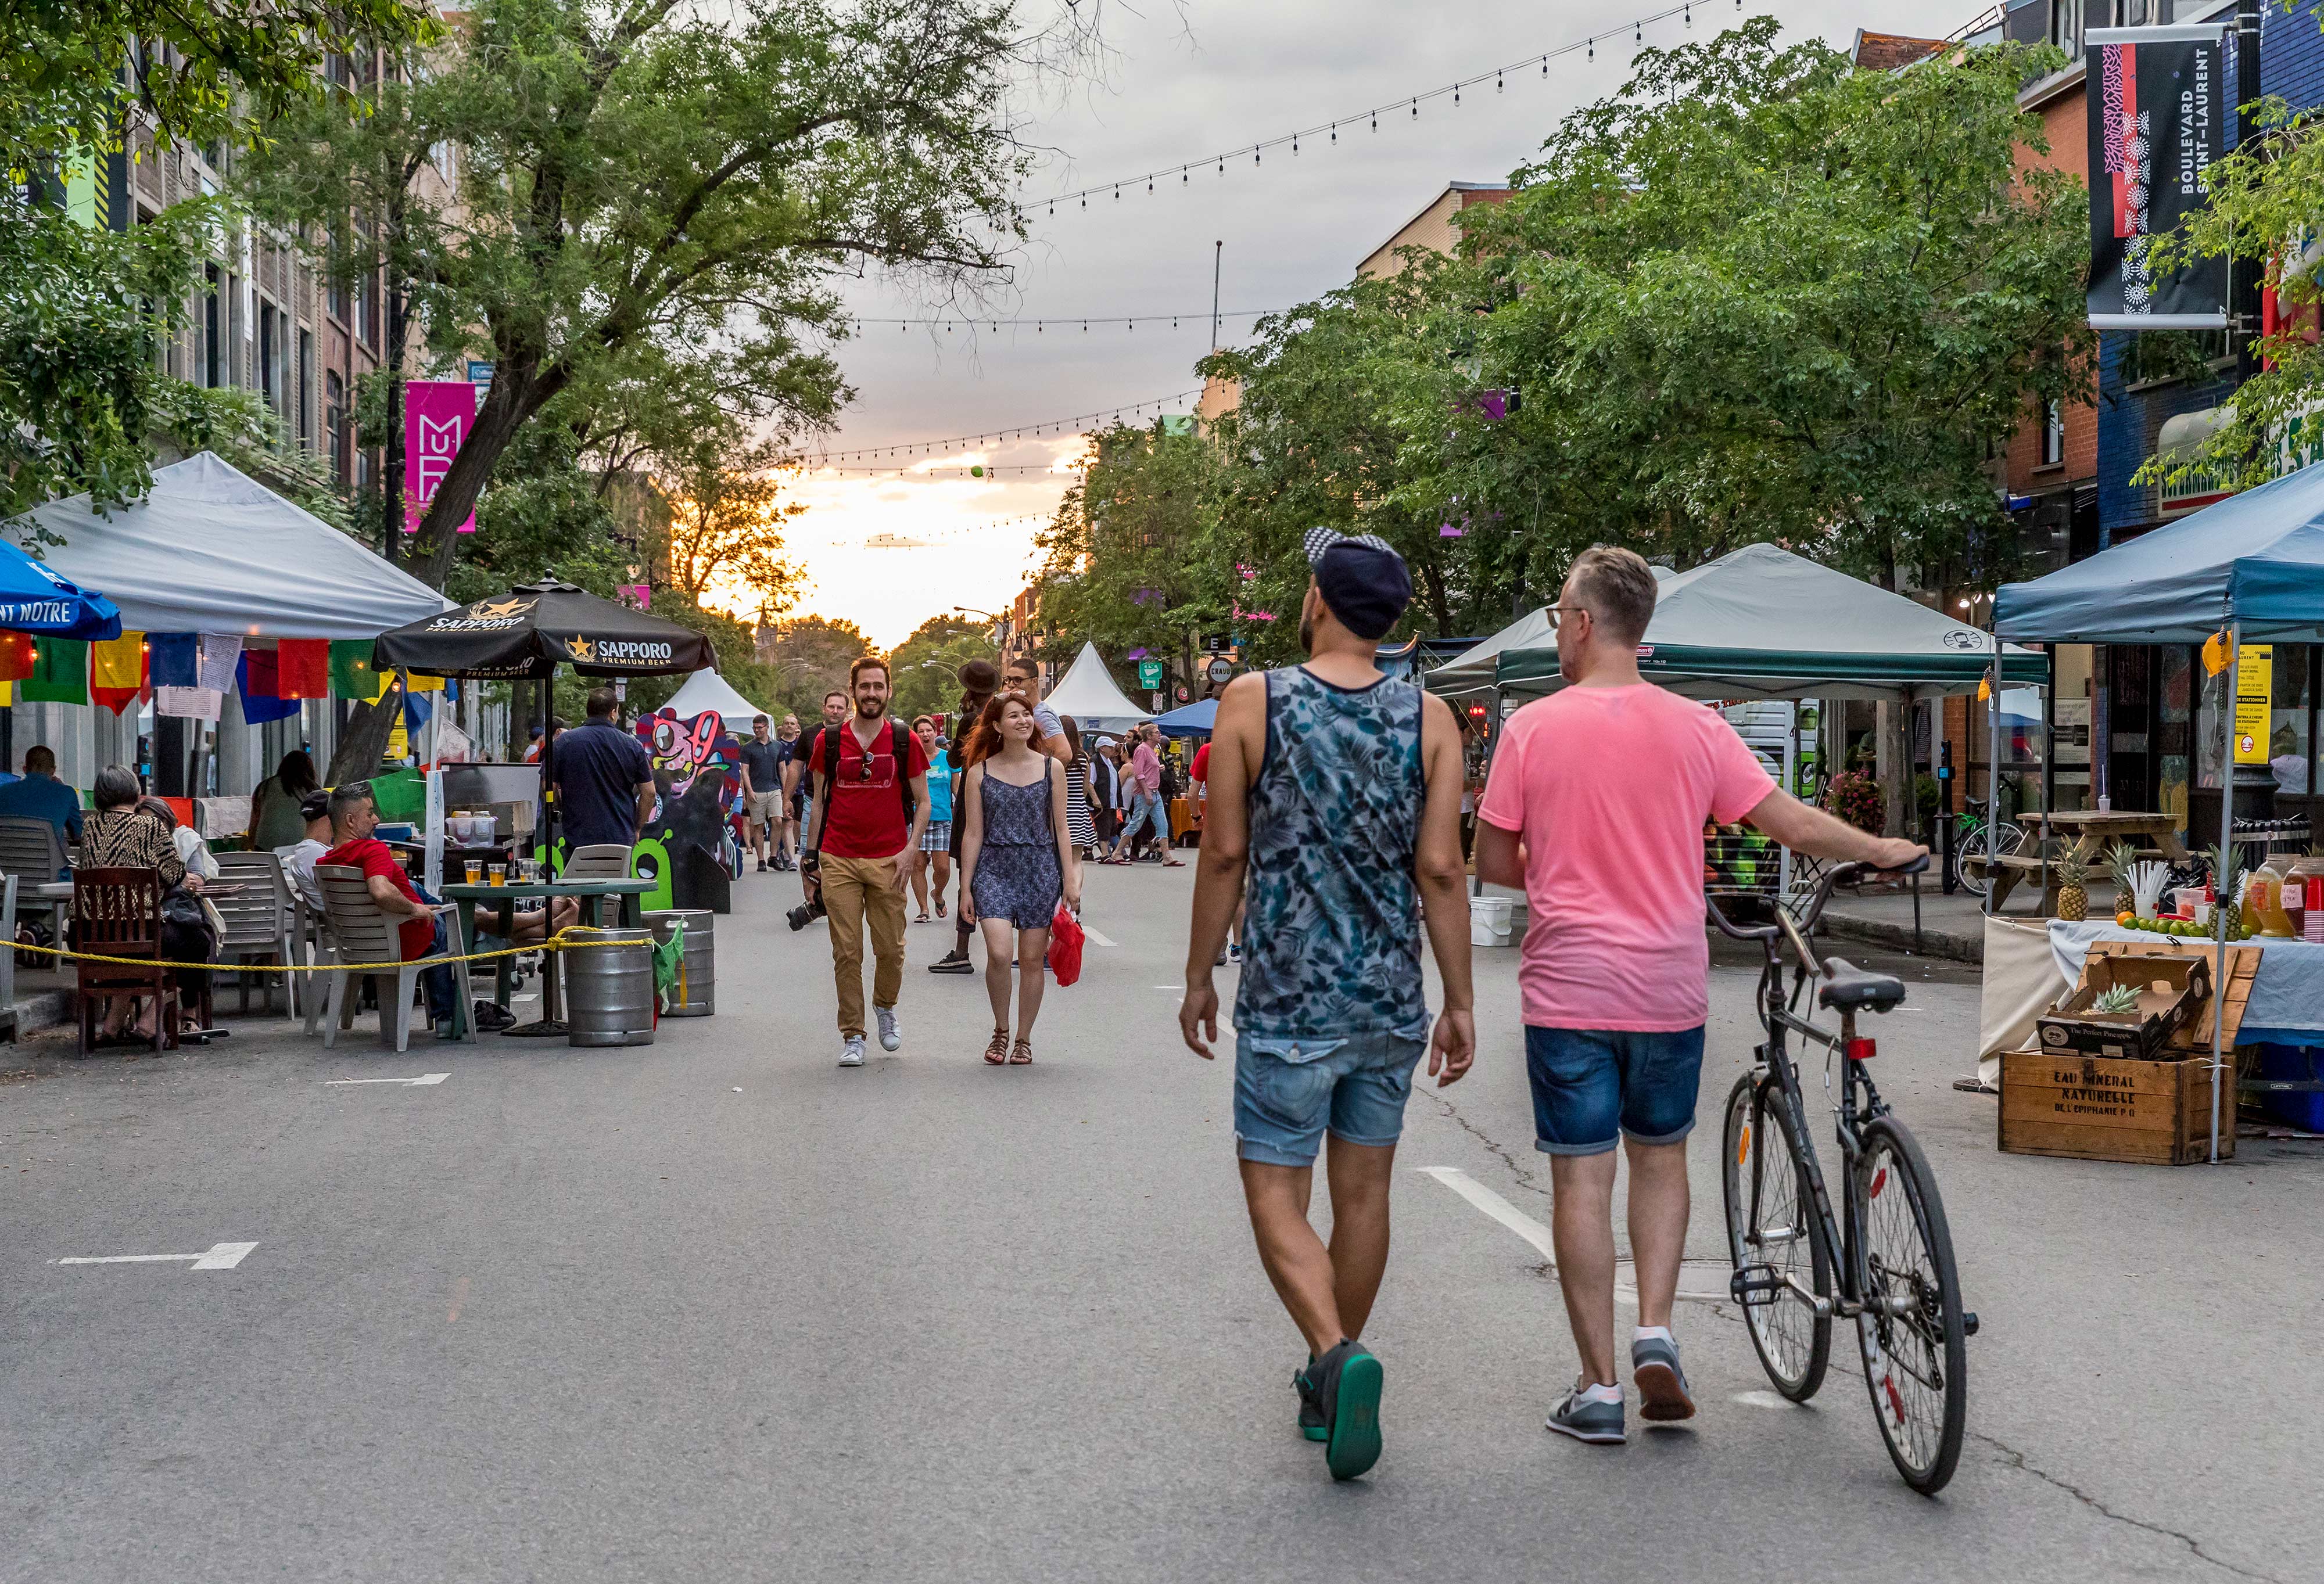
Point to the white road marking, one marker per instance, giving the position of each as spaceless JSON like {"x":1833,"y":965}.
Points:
{"x":1761,"y":1400}
{"x":1534,"y":1233}
{"x":1098,"y":935}
{"x":217,"y":1257}
{"x":421,"y":1081}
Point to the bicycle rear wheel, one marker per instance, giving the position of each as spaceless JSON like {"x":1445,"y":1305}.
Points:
{"x":1972,"y":845}
{"x":1777,"y":1226}
{"x":1915,"y":1350}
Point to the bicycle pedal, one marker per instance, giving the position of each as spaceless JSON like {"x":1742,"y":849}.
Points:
{"x":1969,"y":1323}
{"x":1756,"y":1286}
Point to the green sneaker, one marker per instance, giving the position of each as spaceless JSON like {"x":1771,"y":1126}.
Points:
{"x":1311,"y":1407}
{"x":1348,"y":1389}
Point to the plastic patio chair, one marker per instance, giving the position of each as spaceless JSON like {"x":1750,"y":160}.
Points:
{"x":258,"y":921}
{"x":361,"y":931}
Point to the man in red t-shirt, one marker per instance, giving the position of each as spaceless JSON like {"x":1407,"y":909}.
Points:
{"x":869,"y":834}
{"x":353,"y":817}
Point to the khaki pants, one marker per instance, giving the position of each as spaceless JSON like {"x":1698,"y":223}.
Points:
{"x":856,"y":889}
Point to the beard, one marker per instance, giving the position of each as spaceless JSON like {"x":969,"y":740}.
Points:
{"x":871,"y":709}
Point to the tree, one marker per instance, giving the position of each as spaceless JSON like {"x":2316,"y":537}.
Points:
{"x":725,"y":526}
{"x":808,"y":656}
{"x":82,"y":307}
{"x":927,"y":663}
{"x":1127,"y":560}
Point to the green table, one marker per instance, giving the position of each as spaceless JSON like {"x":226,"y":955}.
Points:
{"x":595,"y":894}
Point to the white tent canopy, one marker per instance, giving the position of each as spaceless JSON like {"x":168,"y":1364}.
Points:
{"x":706,"y":692}
{"x":211,"y":549}
{"x":1087,"y":692}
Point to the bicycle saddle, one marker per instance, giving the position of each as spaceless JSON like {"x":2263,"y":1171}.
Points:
{"x":1848,"y":988}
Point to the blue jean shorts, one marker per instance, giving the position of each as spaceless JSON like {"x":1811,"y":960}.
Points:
{"x":1288,"y":1091}
{"x":1590,"y":1085}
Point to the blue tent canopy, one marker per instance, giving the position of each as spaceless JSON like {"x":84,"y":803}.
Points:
{"x":1191,"y":719}
{"x":34,"y":599}
{"x":2256,"y":558}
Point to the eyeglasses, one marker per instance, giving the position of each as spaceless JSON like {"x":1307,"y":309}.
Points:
{"x":1554,"y":611}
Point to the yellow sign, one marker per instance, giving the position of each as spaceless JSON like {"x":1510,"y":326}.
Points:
{"x":2254,"y":701}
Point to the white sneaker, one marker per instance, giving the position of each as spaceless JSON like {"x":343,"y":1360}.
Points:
{"x":892,"y":1033}
{"x":850,"y":1054}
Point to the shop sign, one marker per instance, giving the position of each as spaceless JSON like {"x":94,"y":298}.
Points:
{"x":2254,"y":701}
{"x":2193,"y":488}
{"x":2158,"y":118}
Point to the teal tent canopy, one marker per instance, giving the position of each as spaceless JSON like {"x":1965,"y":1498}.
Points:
{"x":2256,"y":559}
{"x":1761,"y":622}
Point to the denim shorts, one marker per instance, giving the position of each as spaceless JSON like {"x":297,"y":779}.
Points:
{"x":1288,"y":1091}
{"x":1591,"y":1084}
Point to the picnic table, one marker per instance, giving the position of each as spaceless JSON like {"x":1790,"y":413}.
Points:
{"x":594,"y":893}
{"x":2083,"y":832}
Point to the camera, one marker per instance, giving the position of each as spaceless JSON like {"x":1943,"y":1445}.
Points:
{"x":805,"y":914}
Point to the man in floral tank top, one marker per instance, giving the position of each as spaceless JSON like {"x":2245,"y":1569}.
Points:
{"x":1336,"y":806}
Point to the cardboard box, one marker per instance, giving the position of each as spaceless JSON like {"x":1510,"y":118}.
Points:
{"x":2171,"y":988}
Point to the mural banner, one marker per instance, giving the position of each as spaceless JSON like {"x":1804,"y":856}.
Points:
{"x":437,"y":416}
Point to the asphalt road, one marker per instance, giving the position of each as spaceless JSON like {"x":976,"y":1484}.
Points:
{"x":716,"y":1309}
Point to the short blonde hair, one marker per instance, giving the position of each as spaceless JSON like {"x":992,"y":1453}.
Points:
{"x":1618,"y":588}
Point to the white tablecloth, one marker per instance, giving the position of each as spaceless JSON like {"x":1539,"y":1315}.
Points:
{"x":2287,"y":998}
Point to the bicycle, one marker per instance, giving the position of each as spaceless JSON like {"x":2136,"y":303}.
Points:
{"x":1888,"y":1250}
{"x":1976,"y":834}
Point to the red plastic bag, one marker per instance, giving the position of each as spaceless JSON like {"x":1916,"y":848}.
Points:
{"x":1066,"y":945}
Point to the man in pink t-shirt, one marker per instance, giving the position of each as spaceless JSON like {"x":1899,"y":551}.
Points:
{"x":1596,"y":805}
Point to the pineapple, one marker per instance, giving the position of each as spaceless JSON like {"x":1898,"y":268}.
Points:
{"x":2073,"y":892}
{"x":2228,"y":885}
{"x":2118,"y":999}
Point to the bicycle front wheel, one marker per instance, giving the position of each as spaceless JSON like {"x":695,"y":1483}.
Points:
{"x":1915,"y":1350}
{"x":1772,"y":1228}
{"x":1971,"y":845}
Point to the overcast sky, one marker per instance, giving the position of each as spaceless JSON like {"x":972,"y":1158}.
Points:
{"x":1185,"y":85}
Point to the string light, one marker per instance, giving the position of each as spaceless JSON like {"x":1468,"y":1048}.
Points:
{"x":1084,"y":321}
{"x":873,"y":453}
{"x":1498,"y":76}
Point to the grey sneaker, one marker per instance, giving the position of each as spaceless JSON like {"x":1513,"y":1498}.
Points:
{"x":1600,"y":1424}
{"x":1662,"y":1384}
{"x":892,"y":1033}
{"x":1311,"y":1406}
{"x":850,"y":1054}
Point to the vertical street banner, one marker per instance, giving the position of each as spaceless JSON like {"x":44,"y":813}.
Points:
{"x":437,"y":416}
{"x":2159,"y":115}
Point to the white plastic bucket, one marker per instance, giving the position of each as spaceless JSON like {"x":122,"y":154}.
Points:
{"x":1492,"y":922}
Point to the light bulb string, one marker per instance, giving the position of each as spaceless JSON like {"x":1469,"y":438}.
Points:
{"x":1010,"y":432}
{"x":1410,"y":103}
{"x":1197,"y":318}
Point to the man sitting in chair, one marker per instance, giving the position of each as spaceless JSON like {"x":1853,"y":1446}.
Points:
{"x":353,"y":819}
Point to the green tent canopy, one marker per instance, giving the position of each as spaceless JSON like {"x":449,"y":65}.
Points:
{"x":1761,"y":622}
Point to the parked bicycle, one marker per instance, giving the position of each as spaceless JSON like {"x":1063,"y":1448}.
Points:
{"x":1885,"y":1258}
{"x":1977,"y":837}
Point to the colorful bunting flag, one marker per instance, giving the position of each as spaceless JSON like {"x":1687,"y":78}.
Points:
{"x":254,"y":674}
{"x":303,"y":668}
{"x":174,"y":659}
{"x":216,"y":666}
{"x":17,"y":653}
{"x":116,"y":670}
{"x":60,"y":673}
{"x":352,"y":675}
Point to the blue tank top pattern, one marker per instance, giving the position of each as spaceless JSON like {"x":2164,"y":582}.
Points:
{"x":1331,"y":930}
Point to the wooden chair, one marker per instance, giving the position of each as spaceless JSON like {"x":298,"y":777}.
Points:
{"x":257,"y":915}
{"x":117,"y":912}
{"x":361,"y":931}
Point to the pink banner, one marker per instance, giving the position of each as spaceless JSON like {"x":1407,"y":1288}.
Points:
{"x":437,"y":415}
{"x":636,"y":595}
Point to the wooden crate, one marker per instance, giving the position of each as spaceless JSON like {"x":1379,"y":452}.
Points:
{"x":2108,"y":1109}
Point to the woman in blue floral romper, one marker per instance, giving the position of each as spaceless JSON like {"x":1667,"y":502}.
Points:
{"x":1016,"y":860}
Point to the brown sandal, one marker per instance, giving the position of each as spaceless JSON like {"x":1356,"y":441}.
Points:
{"x":1021,"y":1054}
{"x":996,"y":1050}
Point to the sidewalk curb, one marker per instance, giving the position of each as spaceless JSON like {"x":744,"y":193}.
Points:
{"x":1934,"y":942}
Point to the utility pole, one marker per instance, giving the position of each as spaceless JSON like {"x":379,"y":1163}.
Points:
{"x":1218,"y":251}
{"x":2243,"y":274}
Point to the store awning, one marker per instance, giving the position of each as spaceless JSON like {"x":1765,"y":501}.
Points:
{"x":2256,"y":558}
{"x":1761,"y":622}
{"x":211,"y":549}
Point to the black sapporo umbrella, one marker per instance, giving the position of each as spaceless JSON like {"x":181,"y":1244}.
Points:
{"x":536,"y":627}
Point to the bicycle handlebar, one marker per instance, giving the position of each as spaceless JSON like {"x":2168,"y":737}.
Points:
{"x":1840,"y":874}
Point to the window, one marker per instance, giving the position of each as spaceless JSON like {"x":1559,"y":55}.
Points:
{"x":213,"y":339}
{"x":336,"y":290}
{"x":2066,"y":25}
{"x":2053,"y":434}
{"x":269,"y":387}
{"x":335,"y":423}
{"x":306,"y":397}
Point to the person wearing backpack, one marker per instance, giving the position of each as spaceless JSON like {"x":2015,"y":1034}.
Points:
{"x":871,"y":810}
